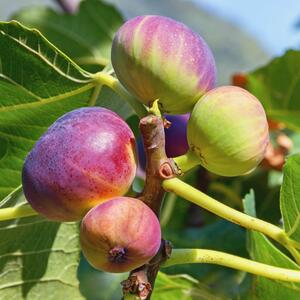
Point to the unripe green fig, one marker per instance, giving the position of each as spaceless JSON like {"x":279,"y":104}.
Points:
{"x":120,"y":235}
{"x":86,"y":157}
{"x":156,"y":57}
{"x":228,"y":131}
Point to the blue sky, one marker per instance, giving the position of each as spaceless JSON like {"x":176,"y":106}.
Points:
{"x":272,"y":22}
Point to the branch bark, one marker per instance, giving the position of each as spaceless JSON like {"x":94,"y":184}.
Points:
{"x":159,"y":167}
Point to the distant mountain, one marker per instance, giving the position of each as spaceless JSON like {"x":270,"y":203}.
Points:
{"x":233,"y":49}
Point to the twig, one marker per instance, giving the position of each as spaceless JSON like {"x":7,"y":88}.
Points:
{"x":141,"y":281}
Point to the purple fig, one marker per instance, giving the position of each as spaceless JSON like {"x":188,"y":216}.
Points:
{"x":176,"y":135}
{"x":176,"y":138}
{"x":86,"y":157}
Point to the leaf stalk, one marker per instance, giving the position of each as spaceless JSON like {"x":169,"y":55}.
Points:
{"x":185,"y":256}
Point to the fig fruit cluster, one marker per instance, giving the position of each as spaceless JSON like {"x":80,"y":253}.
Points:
{"x":82,"y":167}
{"x":157,"y":58}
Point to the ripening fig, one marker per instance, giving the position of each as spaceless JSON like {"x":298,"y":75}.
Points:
{"x":228,"y":131}
{"x":86,"y":157}
{"x":156,"y":57}
{"x":120,"y":235}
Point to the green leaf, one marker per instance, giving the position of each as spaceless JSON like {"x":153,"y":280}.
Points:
{"x":109,"y":99}
{"x":277,"y":86}
{"x":38,"y":258}
{"x":262,"y":250}
{"x":182,"y":287}
{"x":249,"y":204}
{"x":38,"y":84}
{"x":99,"y":285}
{"x":221,"y":235}
{"x":86,"y":36}
{"x":290,"y":197}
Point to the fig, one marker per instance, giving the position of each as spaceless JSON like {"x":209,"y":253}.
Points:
{"x":156,"y":57}
{"x":86,"y":157}
{"x":120,"y":235}
{"x":228,"y":131}
{"x":176,"y":138}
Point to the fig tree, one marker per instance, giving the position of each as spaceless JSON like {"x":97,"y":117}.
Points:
{"x":86,"y":157}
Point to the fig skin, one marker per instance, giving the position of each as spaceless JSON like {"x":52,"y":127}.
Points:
{"x":120,"y":235}
{"x":176,"y":136}
{"x":156,"y":57}
{"x":228,"y":131}
{"x":86,"y":157}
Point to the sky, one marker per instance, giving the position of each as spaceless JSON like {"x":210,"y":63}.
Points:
{"x":271,"y":22}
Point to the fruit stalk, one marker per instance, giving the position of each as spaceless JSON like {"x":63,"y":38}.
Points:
{"x":114,"y":84}
{"x":24,"y":210}
{"x":187,"y":161}
{"x":193,"y":195}
{"x":185,"y":256}
{"x":158,"y":168}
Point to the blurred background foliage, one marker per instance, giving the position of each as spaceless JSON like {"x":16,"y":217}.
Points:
{"x":184,"y":224}
{"x":234,"y":49}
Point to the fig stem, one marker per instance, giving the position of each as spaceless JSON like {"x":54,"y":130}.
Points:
{"x":185,"y":256}
{"x":159,"y":166}
{"x":19,"y":211}
{"x":154,"y":108}
{"x":193,"y":195}
{"x":187,"y":161}
{"x":114,"y":84}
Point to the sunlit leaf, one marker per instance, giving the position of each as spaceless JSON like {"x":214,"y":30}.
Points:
{"x":85,"y":36}
{"x":290,"y":197}
{"x":277,"y":86}
{"x":262,"y":250}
